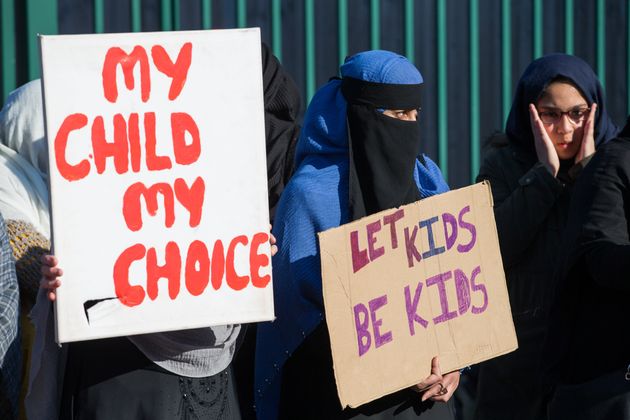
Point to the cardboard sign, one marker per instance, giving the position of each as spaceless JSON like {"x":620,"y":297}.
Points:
{"x":405,"y":285}
{"x":158,"y":181}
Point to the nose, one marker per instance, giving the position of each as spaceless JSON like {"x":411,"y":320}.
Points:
{"x":564,"y":125}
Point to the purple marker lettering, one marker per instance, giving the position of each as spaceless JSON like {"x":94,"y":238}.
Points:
{"x":359,"y":256}
{"x":379,"y":339}
{"x":410,"y":245}
{"x":391,"y":220}
{"x":372,"y":228}
{"x":412,"y":309}
{"x":481,"y":288}
{"x":449,"y":220}
{"x":364,"y":340}
{"x":439,"y":280}
{"x":468,"y":226}
{"x":463,"y":291}
{"x":433,"y":250}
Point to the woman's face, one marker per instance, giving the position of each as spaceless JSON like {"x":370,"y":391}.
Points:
{"x":563,"y":110}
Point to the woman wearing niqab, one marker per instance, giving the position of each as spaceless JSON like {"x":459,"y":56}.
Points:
{"x":353,"y":159}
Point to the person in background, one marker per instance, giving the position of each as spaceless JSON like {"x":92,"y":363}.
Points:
{"x":24,"y":203}
{"x":588,"y":347}
{"x":179,"y":374}
{"x":10,"y":357}
{"x":358,"y":153}
{"x":557,"y":120}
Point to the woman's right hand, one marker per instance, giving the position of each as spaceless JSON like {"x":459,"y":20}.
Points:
{"x":545,"y":151}
{"x":50,"y":276}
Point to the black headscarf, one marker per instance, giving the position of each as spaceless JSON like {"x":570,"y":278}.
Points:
{"x":282,"y":106}
{"x":383,"y":150}
{"x":536,"y":78}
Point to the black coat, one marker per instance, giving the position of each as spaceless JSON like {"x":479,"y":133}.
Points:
{"x":530,"y":208}
{"x":589,"y":333}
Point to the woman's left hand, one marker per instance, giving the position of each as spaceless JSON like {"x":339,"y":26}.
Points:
{"x":587,"y":147}
{"x":438,"y":387}
{"x":450,"y":382}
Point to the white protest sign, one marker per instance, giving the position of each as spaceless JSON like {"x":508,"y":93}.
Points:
{"x":405,"y":285}
{"x":158,"y":181}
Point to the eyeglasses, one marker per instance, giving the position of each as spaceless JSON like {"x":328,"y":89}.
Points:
{"x":576,"y":116}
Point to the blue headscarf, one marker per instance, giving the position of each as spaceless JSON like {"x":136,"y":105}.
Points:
{"x":537,"y":77}
{"x":316,"y":199}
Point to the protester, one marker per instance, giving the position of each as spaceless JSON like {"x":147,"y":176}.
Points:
{"x":356,"y":156}
{"x":24,"y":204}
{"x":557,"y":119}
{"x":587,"y":348}
{"x":179,"y":374}
{"x":9,"y":336}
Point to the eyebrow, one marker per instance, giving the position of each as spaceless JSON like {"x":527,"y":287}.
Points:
{"x":555,"y":108}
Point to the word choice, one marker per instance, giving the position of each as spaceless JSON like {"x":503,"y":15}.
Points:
{"x":200,"y":268}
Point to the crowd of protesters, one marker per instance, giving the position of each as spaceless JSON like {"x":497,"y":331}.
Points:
{"x":560,"y":178}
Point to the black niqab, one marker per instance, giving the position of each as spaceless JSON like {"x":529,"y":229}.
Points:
{"x":383,"y":150}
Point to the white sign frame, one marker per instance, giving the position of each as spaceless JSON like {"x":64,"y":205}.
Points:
{"x":93,"y":227}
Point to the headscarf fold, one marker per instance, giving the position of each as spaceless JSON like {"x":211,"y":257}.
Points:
{"x":536,"y":78}
{"x":316,"y":199}
{"x":282,"y":106}
{"x":24,"y":159}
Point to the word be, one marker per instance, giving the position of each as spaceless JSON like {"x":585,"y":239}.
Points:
{"x":366,"y":315}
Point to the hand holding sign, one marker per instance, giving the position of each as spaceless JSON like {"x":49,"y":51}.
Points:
{"x":437,"y":387}
{"x":158,"y":193}
{"x":51,"y":272}
{"x":404,"y":285}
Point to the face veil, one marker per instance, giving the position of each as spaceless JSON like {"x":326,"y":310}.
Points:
{"x":383,"y":149}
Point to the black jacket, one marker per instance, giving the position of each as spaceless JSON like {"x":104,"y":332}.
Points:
{"x":530,"y":208}
{"x":589,"y":331}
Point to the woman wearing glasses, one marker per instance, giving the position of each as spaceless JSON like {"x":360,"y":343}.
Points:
{"x":557,"y":119}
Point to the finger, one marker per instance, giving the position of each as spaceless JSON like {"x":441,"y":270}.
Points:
{"x":49,"y":284}
{"x":434,"y":392}
{"x":443,"y":396}
{"x":537,"y":125}
{"x":435,"y":366}
{"x":272,"y":239}
{"x":49,"y":260}
{"x":51,"y":272}
{"x":428,"y":382}
{"x":52,"y":296}
{"x":274,"y":250}
{"x":533,"y":112}
{"x":591,"y":119}
{"x":450,"y":383}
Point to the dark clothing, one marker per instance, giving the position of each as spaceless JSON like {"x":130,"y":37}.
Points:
{"x":604,"y":398}
{"x":112,"y":379}
{"x":311,"y":367}
{"x":588,"y":336}
{"x":530,"y":207}
{"x":282,"y":106}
